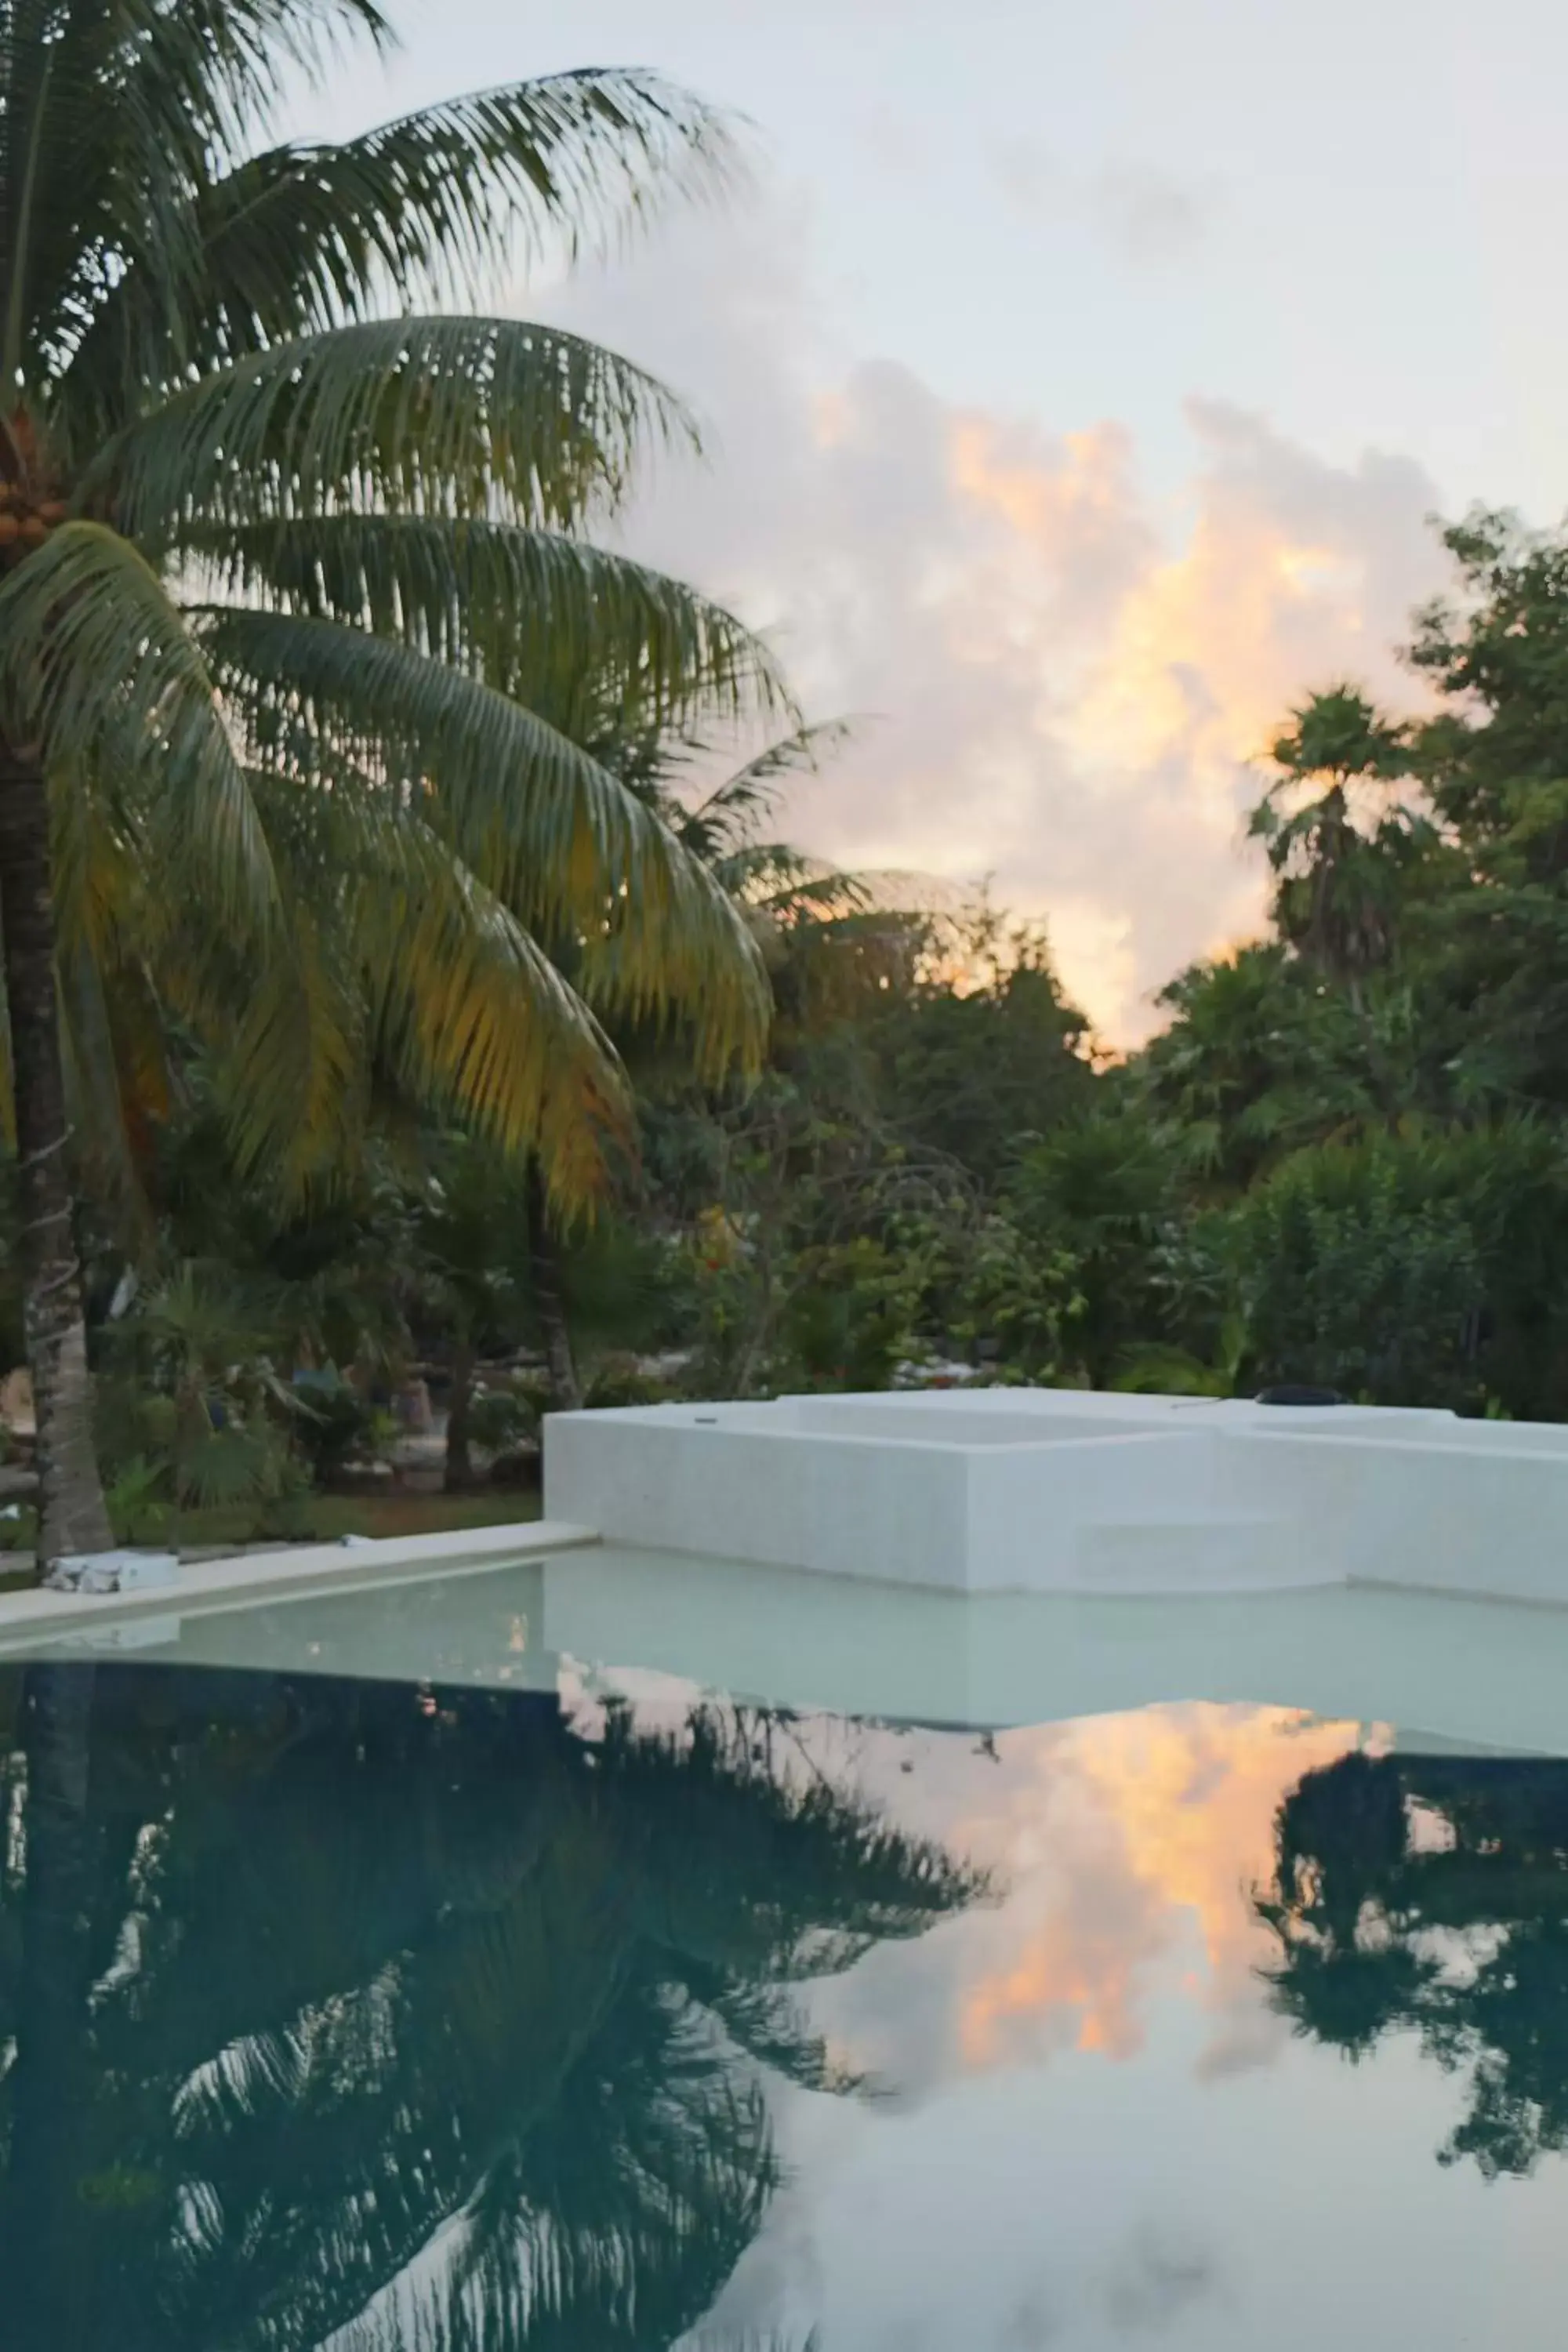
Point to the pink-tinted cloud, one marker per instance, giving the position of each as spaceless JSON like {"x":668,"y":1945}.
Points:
{"x":1123,"y":1849}
{"x":1064,"y":678}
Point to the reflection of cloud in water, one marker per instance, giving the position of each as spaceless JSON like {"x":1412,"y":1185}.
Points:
{"x":1168,"y":1818}
{"x":1094,"y":2129}
{"x":1124,"y":1848}
{"x":1151,"y":2280}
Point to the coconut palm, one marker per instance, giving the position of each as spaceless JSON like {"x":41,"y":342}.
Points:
{"x":283,"y":560}
{"x":793,"y":907}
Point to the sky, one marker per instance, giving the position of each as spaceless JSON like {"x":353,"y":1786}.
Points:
{"x":1078,"y":387}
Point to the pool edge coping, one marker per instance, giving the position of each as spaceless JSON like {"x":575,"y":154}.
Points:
{"x":293,"y":1573}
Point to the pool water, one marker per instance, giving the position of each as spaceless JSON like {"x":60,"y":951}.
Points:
{"x":570,"y":2001}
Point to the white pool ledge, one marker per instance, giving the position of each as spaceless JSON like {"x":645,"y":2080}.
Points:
{"x":1067,"y":1491}
{"x":40,"y":1617}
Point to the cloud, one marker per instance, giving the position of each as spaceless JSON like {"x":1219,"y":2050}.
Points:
{"x":1151,"y":216}
{"x":1123,"y":1852}
{"x":1152,"y":2281}
{"x":1026,"y":173}
{"x":895,"y":143}
{"x":1148,"y":216}
{"x":1064,"y":678}
{"x":1123,"y":1848}
{"x":1156,"y":1822}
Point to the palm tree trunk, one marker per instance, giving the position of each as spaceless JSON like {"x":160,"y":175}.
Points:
{"x":71,"y":1514}
{"x":544,"y":1265}
{"x":459,"y":1472}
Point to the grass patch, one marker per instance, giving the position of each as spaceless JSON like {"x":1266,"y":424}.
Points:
{"x":327,"y":1516}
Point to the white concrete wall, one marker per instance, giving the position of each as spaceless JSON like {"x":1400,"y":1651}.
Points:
{"x":847,"y":1506}
{"x":1051,"y":1490}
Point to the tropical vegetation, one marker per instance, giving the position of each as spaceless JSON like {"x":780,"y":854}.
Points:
{"x":1341,"y":1160}
{"x":400,"y":986}
{"x":295,"y":564}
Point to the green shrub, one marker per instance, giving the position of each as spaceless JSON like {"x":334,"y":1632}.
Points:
{"x":620,"y":1381}
{"x":332,"y":1421}
{"x":501,"y":1418}
{"x":1360,"y":1266}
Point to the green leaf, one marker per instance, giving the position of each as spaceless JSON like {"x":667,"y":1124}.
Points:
{"x":727,"y":818}
{"x":112,"y":117}
{"x":304,"y":237}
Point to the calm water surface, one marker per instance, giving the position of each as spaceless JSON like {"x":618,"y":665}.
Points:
{"x":382,"y":2014}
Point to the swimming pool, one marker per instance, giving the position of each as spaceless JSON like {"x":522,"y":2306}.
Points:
{"x":604,"y":1952}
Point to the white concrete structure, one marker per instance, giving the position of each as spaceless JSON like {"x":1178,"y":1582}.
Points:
{"x":1044,"y":1490}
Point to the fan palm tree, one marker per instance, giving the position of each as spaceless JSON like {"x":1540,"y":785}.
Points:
{"x":281,"y":558}
{"x":1336,"y":898}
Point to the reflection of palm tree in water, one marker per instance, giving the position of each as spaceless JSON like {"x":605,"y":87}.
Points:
{"x":397,"y":2019}
{"x":1431,"y":1894}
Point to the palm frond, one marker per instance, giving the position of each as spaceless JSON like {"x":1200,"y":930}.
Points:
{"x":99,"y":668}
{"x":302,"y":238}
{"x":512,"y":604}
{"x":540,"y":818}
{"x":96,"y":871}
{"x":292,"y":1078}
{"x":446,"y":414}
{"x":754,"y":785}
{"x":726,"y":819}
{"x":114,"y":1057}
{"x":475,"y":1019}
{"x":292,"y":663}
{"x":771,"y":878}
{"x":410,"y":965}
{"x":227,"y":62}
{"x":535,"y":819}
{"x":114,"y":118}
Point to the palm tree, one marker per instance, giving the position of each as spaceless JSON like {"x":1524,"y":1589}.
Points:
{"x":1336,"y":897}
{"x":281,"y":560}
{"x":790,"y":904}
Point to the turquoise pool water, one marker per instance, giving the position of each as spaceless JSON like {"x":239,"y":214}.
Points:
{"x":557,"y":1998}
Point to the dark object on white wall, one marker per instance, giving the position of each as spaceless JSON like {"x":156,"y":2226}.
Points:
{"x":1286,"y":1394}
